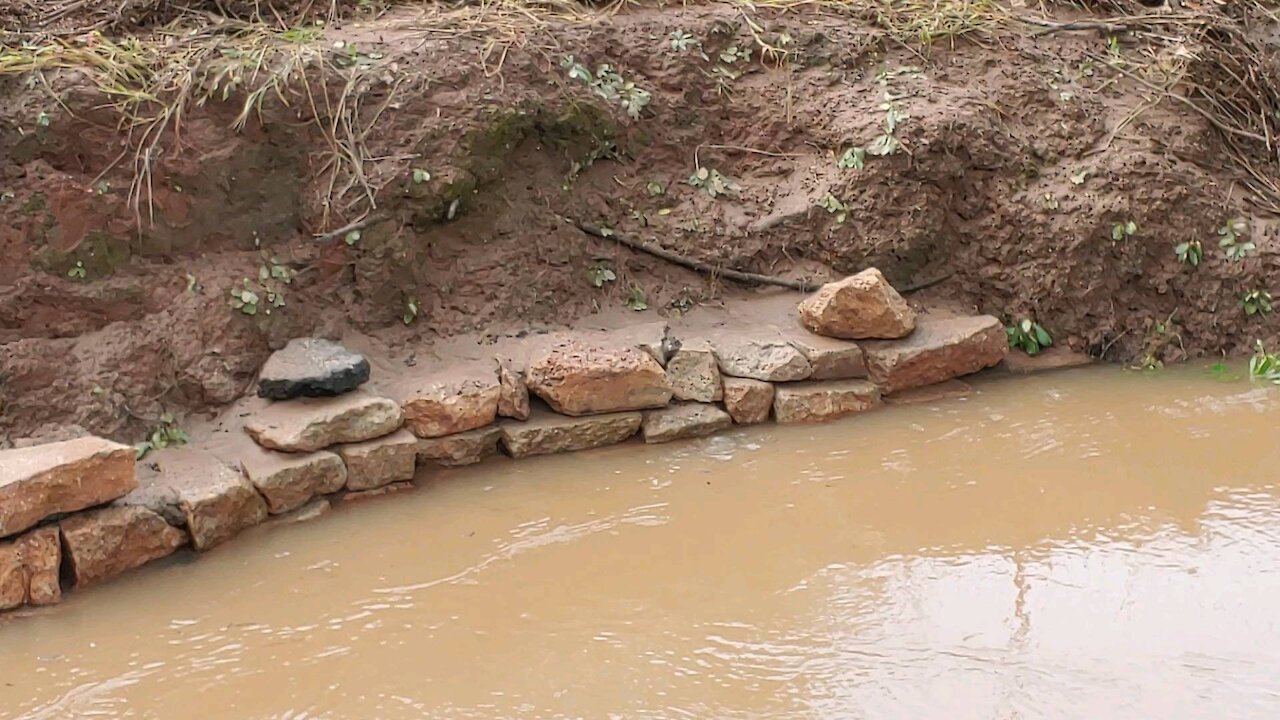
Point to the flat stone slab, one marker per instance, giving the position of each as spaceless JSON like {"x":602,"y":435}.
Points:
{"x":392,"y":489}
{"x":29,"y":569}
{"x":287,"y":481}
{"x":760,"y":356}
{"x":102,"y":544}
{"x":694,"y":373}
{"x":374,"y":463}
{"x":545,"y":433}
{"x":678,"y":422}
{"x":576,"y":378}
{"x":938,"y":392}
{"x":748,"y":401}
{"x":465,"y":448}
{"x":191,"y":488}
{"x":831,"y":359}
{"x":43,"y":480}
{"x":1054,"y":358}
{"x":858,"y":307}
{"x":939,"y":349}
{"x":453,"y":400}
{"x":310,"y":424}
{"x":311,"y":367}
{"x":819,"y":401}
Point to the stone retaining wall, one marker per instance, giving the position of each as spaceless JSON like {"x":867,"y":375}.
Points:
{"x":82,"y":512}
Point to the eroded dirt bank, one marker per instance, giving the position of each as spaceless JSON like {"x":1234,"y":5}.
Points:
{"x":1041,"y":176}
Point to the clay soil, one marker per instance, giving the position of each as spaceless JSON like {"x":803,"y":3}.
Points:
{"x":415,"y":172}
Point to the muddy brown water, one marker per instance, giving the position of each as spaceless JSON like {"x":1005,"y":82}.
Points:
{"x":1094,"y":543}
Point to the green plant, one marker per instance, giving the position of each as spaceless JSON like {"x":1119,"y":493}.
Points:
{"x":420,"y":176}
{"x":734,"y":54}
{"x":1229,"y":239}
{"x":636,"y":301}
{"x":166,"y":434}
{"x":1028,"y":336}
{"x":245,"y":299}
{"x":608,"y":84}
{"x":1264,"y":365}
{"x":681,"y":41}
{"x":599,"y":274}
{"x":854,"y":158}
{"x":77,"y":272}
{"x":1113,"y":45}
{"x":352,"y":237}
{"x":1189,"y":253}
{"x":833,"y":206}
{"x":710,"y":181}
{"x":42,"y":119}
{"x":1079,"y":176}
{"x":655,"y":188}
{"x":1220,"y":372}
{"x":888,"y":143}
{"x":1256,"y":302}
{"x":1124,"y":230}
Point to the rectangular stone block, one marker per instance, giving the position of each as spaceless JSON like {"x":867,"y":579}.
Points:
{"x":43,"y":480}
{"x":545,"y":433}
{"x":939,"y":349}
{"x":288,"y":480}
{"x":29,"y":569}
{"x":748,"y":401}
{"x":465,"y":448}
{"x":375,"y":463}
{"x":102,"y":544}
{"x":818,"y":401}
{"x":679,"y":422}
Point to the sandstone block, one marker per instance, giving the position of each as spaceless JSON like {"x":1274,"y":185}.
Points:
{"x":937,"y":392}
{"x":13,"y":577}
{"x":545,"y":433}
{"x":191,"y":488}
{"x":748,"y":401}
{"x":451,"y":401}
{"x":858,"y":307}
{"x":374,"y":463}
{"x":513,"y":400}
{"x":678,"y":422}
{"x":314,"y":510}
{"x":1058,"y":357}
{"x":311,"y":367}
{"x":310,"y":424}
{"x":810,"y":402}
{"x":29,"y":569}
{"x":288,"y":480}
{"x":939,"y":349}
{"x":102,"y":544}
{"x":694,"y":373}
{"x":393,"y":488}
{"x":462,"y":449}
{"x":760,"y":356}
{"x":578,"y":379}
{"x":831,"y":359}
{"x":62,"y":477}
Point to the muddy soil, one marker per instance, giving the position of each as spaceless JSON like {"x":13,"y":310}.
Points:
{"x":421,"y":183}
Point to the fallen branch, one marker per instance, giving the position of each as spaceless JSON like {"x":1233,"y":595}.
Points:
{"x":714,"y":271}
{"x":357,"y":225}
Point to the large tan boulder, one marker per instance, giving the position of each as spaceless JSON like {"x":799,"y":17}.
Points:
{"x":679,"y":422}
{"x":374,"y":463}
{"x":818,"y":401}
{"x":576,"y":378}
{"x":760,"y":355}
{"x":748,"y":401}
{"x":61,"y":477}
{"x":191,"y":488}
{"x":102,"y":544}
{"x":29,"y":569}
{"x":939,"y":349}
{"x":451,"y":400}
{"x":858,"y":307}
{"x":310,"y":424}
{"x":287,"y":481}
{"x":545,"y":433}
{"x":462,"y":449}
{"x":694,"y":373}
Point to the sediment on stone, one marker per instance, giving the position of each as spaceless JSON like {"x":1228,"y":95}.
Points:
{"x":310,"y":424}
{"x":375,"y":463}
{"x":576,"y":378}
{"x":451,"y":400}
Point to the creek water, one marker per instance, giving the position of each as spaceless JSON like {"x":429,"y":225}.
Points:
{"x":1094,"y":543}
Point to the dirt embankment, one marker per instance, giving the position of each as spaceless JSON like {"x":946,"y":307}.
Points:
{"x":409,"y":173}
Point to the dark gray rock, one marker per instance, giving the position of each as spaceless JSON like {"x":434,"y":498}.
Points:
{"x":311,"y":367}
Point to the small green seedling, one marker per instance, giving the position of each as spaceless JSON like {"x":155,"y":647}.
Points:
{"x":636,"y":301}
{"x":352,"y":237}
{"x":888,"y":143}
{"x":655,"y":188}
{"x":1124,"y":230}
{"x":77,"y":272}
{"x":1028,"y":336}
{"x":833,"y":206}
{"x":1263,"y":365}
{"x":1256,"y":302}
{"x":410,"y":312}
{"x":245,"y":299}
{"x":1189,"y":253}
{"x":608,"y":84}
{"x":1229,"y":239}
{"x":710,"y":181}
{"x":599,"y":274}
{"x":165,"y":435}
{"x":734,"y":54}
{"x":681,"y":41}
{"x":855,"y":158}
{"x":420,"y":176}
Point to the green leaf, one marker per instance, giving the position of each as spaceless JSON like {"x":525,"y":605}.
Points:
{"x":420,"y":176}
{"x":1042,"y":336}
{"x":1130,"y":228}
{"x":352,"y":237}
